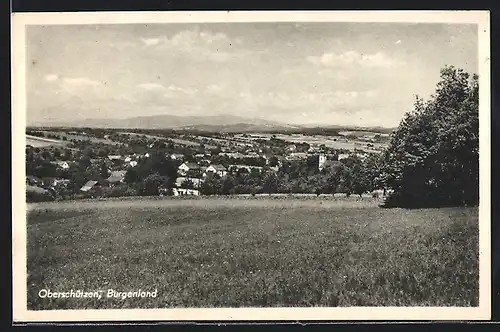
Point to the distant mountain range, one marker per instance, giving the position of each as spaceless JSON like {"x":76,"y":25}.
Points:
{"x":217,"y":123}
{"x":160,"y":121}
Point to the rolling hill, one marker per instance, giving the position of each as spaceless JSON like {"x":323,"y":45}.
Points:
{"x":217,"y":123}
{"x":159,"y":121}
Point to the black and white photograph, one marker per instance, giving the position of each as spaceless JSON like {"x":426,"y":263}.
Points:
{"x":237,"y":165}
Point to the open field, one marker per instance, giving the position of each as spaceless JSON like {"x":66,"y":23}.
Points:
{"x":337,"y":142}
{"x":70,"y":137}
{"x":38,"y":142}
{"x":252,"y":252}
{"x":359,"y":133}
{"x":175,"y":140}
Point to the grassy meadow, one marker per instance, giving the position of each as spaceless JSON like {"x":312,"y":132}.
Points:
{"x":39,"y":142}
{"x":252,"y":253}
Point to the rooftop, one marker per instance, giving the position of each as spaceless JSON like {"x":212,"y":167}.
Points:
{"x":116,"y":176}
{"x":89,"y":185}
{"x":218,"y":167}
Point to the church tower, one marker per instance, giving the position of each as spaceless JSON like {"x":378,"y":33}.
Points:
{"x":321,"y":161}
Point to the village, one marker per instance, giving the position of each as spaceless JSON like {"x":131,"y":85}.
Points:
{"x":54,"y":159}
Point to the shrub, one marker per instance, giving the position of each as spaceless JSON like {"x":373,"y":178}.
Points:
{"x":33,"y":197}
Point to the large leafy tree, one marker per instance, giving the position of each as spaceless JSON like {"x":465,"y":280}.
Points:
{"x":228,"y":184}
{"x":211,"y":186}
{"x":433,"y":157}
{"x":151,"y":185}
{"x":270,"y":184}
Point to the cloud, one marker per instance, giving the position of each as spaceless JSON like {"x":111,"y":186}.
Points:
{"x":51,"y":77}
{"x":214,"y":89}
{"x":150,"y":41}
{"x":349,"y":58}
{"x":330,"y":73}
{"x":171,"y":88}
{"x":398,"y":42}
{"x":201,"y":45}
{"x":195,"y":37}
{"x":80,"y":81}
{"x":80,"y":87}
{"x":188,"y":91}
{"x":151,"y":86}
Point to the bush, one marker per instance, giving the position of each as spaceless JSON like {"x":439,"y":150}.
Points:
{"x":121,"y":191}
{"x":33,"y":197}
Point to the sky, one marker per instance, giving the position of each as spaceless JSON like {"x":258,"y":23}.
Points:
{"x":364,"y":74}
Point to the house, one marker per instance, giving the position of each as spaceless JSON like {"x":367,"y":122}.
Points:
{"x":146,"y":155}
{"x":362,"y":155}
{"x":114,"y":157}
{"x":116,"y":177}
{"x":199,"y":155}
{"x":184,"y":168}
{"x":255,"y":156}
{"x":113,"y":160}
{"x":378,"y":193}
{"x":231,"y":154}
{"x":220,"y":170}
{"x":312,"y":149}
{"x":205,"y":162}
{"x":274,"y":168}
{"x":195,"y":181}
{"x":297,"y":156}
{"x":33,"y":180}
{"x":133,"y":163}
{"x":89,"y":186}
{"x":342,"y":156}
{"x":128,"y":159}
{"x":62,"y":182}
{"x":177,"y":156}
{"x":236,"y":168}
{"x":54,"y":182}
{"x":184,"y":192}
{"x":292,"y":148}
{"x":61,"y":164}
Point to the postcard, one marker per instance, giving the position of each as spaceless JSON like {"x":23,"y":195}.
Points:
{"x":237,"y":165}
